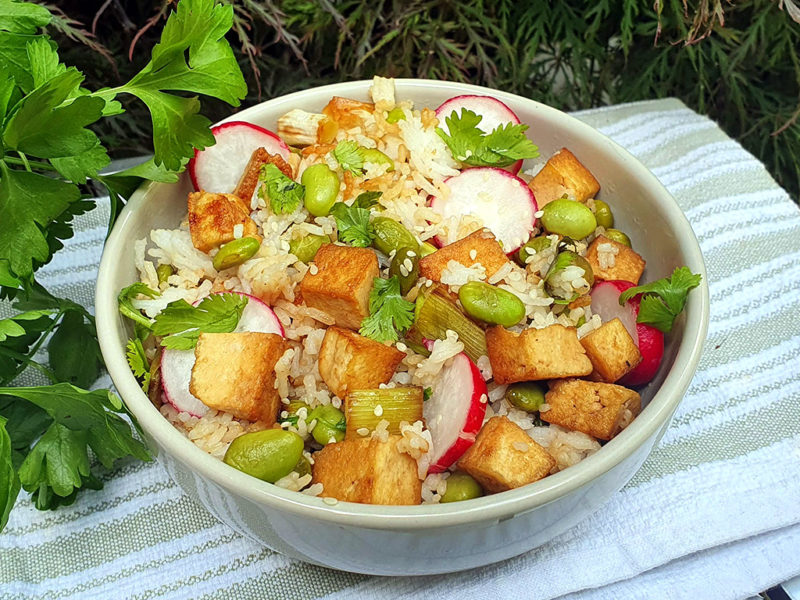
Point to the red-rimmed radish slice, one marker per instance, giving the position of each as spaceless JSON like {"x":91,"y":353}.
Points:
{"x":218,"y":168}
{"x":176,"y":365}
{"x":502,"y":201}
{"x":454,"y":412}
{"x":492,"y":111}
{"x":650,"y":341}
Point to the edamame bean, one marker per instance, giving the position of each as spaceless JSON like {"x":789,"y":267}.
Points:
{"x":395,"y":115}
{"x":533,"y":246}
{"x":163,"y":272}
{"x":235,"y":253}
{"x":526,"y":395}
{"x":330,"y":424}
{"x":405,"y":265}
{"x":491,"y":304}
{"x":305,"y":248}
{"x":426,"y":248}
{"x":618,"y":236}
{"x":391,"y":235}
{"x":568,"y":217}
{"x":461,"y":486}
{"x":267,"y":455}
{"x":373,"y":155}
{"x":554,"y":286}
{"x":322,"y":188}
{"x":603,"y":214}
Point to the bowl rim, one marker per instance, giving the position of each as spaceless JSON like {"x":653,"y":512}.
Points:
{"x":493,"y":507}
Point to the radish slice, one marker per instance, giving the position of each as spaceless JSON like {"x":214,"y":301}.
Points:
{"x":454,"y":412}
{"x":218,"y":168}
{"x":502,"y":201}
{"x":176,"y":365}
{"x":649,"y":340}
{"x":492,"y":111}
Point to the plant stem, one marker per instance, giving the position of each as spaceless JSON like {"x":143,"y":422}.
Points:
{"x":27,"y":359}
{"x":29,"y":164}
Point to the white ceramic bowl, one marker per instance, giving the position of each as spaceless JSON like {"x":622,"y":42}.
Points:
{"x":412,"y":540}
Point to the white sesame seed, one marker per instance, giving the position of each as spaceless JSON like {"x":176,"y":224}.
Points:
{"x":362,"y":431}
{"x":473,"y":254}
{"x":238,"y":231}
{"x":378,"y":410}
{"x":313,"y":269}
{"x":408,"y":265}
{"x":330,"y":501}
{"x":411,"y":254}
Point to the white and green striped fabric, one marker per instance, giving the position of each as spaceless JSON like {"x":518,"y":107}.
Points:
{"x":714,"y":512}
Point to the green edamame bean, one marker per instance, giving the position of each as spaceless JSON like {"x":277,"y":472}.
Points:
{"x":305,"y":248}
{"x":267,"y":455}
{"x":566,"y":258}
{"x":533,"y":246}
{"x":405,"y":265}
{"x":395,"y":115}
{"x":603,"y":214}
{"x":526,"y":395}
{"x":568,"y":217}
{"x":330,"y":424}
{"x":163,"y":272}
{"x":461,"y":486}
{"x":426,"y":248}
{"x":491,"y":304}
{"x":391,"y":235}
{"x":235,"y":253}
{"x":322,"y":188}
{"x":373,"y":155}
{"x":618,"y":236}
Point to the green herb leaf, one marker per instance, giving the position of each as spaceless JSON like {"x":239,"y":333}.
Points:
{"x":353,"y":224}
{"x":426,"y":394}
{"x":80,"y":167}
{"x":182,"y":323}
{"x":137,"y":361}
{"x":73,"y":351}
{"x":502,"y":147}
{"x":367,"y":199}
{"x":10,"y":328}
{"x":284,"y":194}
{"x":390,"y":315}
{"x":26,"y":423}
{"x":9,"y":482}
{"x":348,"y":154}
{"x":663,"y":300}
{"x":126,"y":307}
{"x":22,"y":17}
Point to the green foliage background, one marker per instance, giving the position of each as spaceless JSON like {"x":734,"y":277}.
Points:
{"x":738,"y":62}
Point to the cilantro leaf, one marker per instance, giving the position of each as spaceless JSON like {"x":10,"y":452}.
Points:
{"x":125,"y":297}
{"x":367,"y":199}
{"x":284,"y":194}
{"x":501,"y":147}
{"x":182,"y":323}
{"x":348,"y":154}
{"x":353,"y":224}
{"x":22,"y":17}
{"x":73,"y":351}
{"x":29,"y":201}
{"x":390,"y":315}
{"x":9,"y":482}
{"x":137,"y":361}
{"x":663,"y":300}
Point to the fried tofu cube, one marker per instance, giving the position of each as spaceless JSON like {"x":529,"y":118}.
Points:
{"x":478,"y":247}
{"x":601,"y":410}
{"x":368,"y":471}
{"x":235,"y":372}
{"x":535,"y":354}
{"x":346,"y":112}
{"x":348,"y":361}
{"x":625,"y":265}
{"x":563,"y":174}
{"x":340,"y":282}
{"x":212,"y":218}
{"x":249,"y":181}
{"x":612,"y":351}
{"x":299,"y":128}
{"x":504,"y":457}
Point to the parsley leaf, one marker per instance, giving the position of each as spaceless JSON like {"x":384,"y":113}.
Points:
{"x":182,"y":323}
{"x":22,"y":17}
{"x":367,"y":199}
{"x":10,"y":328}
{"x":390,"y":315}
{"x":73,"y":351}
{"x":470,"y":145}
{"x":137,"y":361}
{"x":126,"y":307}
{"x":348,"y":154}
{"x":353,"y":224}
{"x":663,"y":300}
{"x":9,"y":482}
{"x":284,"y":194}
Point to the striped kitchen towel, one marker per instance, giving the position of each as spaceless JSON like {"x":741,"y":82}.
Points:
{"x":713,"y":513}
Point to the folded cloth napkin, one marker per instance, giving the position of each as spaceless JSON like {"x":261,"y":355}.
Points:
{"x":713,"y":513}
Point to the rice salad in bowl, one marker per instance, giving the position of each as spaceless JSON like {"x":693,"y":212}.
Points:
{"x":386,"y":303}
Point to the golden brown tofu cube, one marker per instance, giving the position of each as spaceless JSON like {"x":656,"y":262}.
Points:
{"x":235,"y":372}
{"x":212,"y":218}
{"x":369,"y":471}
{"x":249,"y":180}
{"x":481,"y":244}
{"x":563,"y":174}
{"x":340,"y":283}
{"x":535,"y":354}
{"x":627,"y":264}
{"x":612,"y":351}
{"x":504,"y":457}
{"x":597,"y":409}
{"x":348,"y":361}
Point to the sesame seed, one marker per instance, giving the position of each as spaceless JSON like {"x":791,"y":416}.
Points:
{"x":362,"y":431}
{"x":313,"y":269}
{"x":330,"y":501}
{"x":473,"y":254}
{"x":378,"y":410}
{"x":411,"y":254}
{"x":408,"y":265}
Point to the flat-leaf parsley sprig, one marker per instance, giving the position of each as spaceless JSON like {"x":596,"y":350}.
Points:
{"x":663,"y":300}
